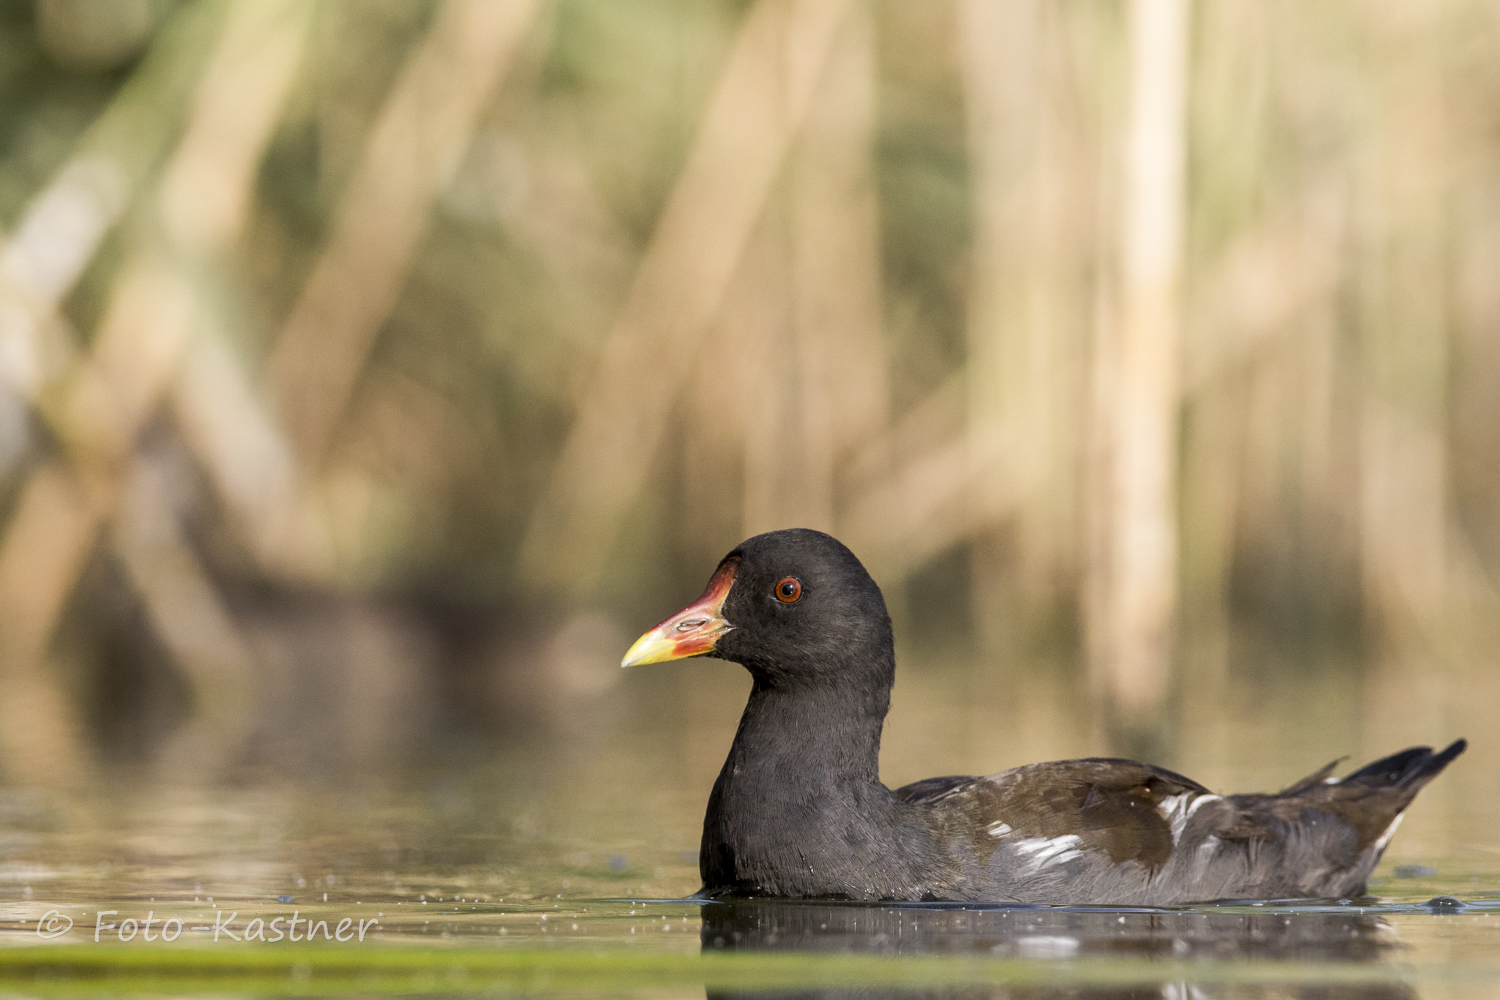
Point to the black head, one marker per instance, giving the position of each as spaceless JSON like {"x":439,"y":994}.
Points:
{"x":802,"y":606}
{"x":795,"y":607}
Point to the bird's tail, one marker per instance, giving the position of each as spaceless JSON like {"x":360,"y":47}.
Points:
{"x":1408,"y":770}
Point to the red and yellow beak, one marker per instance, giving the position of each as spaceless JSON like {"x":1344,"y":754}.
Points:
{"x":694,"y":630}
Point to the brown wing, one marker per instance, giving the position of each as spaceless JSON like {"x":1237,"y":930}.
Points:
{"x":932,"y":789}
{"x":1122,"y":808}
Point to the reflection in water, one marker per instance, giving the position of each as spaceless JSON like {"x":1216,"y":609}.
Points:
{"x":1057,"y":934}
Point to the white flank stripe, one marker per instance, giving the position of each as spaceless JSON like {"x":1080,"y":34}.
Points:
{"x":1202,"y":800}
{"x":998,"y":829}
{"x":1390,"y":831}
{"x":1178,"y":809}
{"x":1047,"y":851}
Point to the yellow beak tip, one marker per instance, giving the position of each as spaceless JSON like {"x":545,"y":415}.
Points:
{"x":649,"y":648}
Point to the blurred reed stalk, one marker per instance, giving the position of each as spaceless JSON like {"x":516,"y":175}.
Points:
{"x":412,"y":153}
{"x":511,"y":302}
{"x":1131,"y":614}
{"x":808,"y":359}
{"x":98,"y":407}
{"x":758,"y":108}
{"x":1029,"y":317}
{"x":55,"y":238}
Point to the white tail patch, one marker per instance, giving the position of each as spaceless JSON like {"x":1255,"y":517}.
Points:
{"x":1178,"y":809}
{"x":1331,"y":781}
{"x":1047,"y":851}
{"x":998,"y":829}
{"x":1390,"y":831}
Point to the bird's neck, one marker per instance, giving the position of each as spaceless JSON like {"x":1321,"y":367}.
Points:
{"x":809,"y":736}
{"x":799,"y":809}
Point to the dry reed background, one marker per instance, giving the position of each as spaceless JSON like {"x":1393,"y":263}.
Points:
{"x":371,"y":370}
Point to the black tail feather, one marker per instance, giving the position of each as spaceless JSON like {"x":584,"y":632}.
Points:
{"x":1312,"y":780}
{"x":1409,"y":768}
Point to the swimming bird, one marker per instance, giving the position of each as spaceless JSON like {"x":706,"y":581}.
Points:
{"x":799,"y":810}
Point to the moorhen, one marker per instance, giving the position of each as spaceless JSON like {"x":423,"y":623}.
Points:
{"x":799,"y":809}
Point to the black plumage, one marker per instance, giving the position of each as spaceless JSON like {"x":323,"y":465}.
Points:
{"x":799,"y":809}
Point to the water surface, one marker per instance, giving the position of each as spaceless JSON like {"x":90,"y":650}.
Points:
{"x":561,"y":862}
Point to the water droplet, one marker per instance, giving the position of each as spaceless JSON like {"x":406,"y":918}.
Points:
{"x":1449,"y":903}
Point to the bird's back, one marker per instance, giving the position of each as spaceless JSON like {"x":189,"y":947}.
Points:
{"x":1103,"y":830}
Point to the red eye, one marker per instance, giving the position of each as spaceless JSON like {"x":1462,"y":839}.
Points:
{"x":788,"y":590}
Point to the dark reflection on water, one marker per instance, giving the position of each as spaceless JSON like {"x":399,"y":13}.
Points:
{"x":1061,"y":934}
